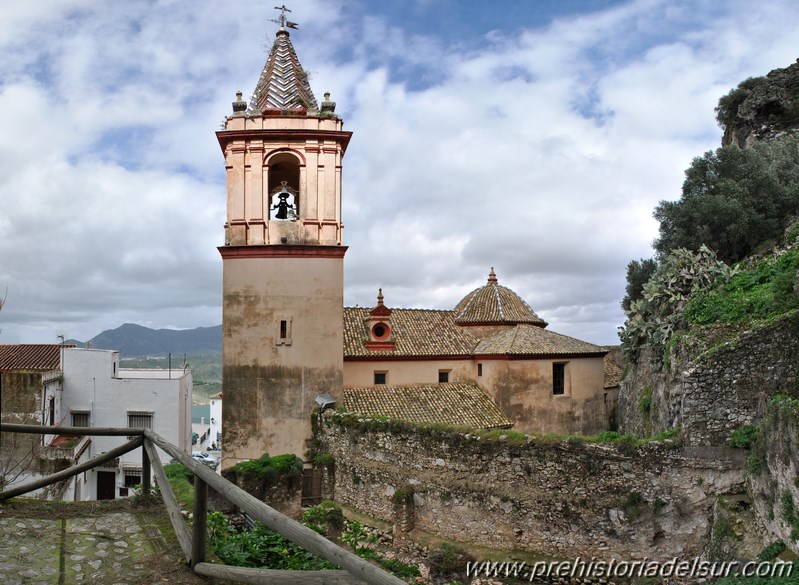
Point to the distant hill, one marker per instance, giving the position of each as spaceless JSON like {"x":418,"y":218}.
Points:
{"x":138,"y":341}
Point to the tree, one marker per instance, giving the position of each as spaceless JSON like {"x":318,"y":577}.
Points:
{"x":733,"y":200}
{"x":638,"y":273}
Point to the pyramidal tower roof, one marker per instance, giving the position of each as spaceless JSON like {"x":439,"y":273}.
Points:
{"x":283,"y":85}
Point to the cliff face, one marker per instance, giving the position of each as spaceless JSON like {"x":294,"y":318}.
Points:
{"x":712,"y":381}
{"x":761,"y":108}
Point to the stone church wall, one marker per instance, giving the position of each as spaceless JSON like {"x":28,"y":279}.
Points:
{"x":557,"y":497}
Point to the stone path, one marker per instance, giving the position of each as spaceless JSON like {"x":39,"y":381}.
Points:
{"x":107,"y":548}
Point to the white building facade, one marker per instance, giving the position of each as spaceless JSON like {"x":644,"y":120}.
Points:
{"x":98,"y":393}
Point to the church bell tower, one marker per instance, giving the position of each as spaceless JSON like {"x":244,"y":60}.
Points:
{"x":283,"y":260}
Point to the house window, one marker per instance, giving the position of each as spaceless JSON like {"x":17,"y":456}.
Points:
{"x":51,"y":411}
{"x":443,"y":376}
{"x":80,"y":418}
{"x":132,"y":476}
{"x":479,"y":369}
{"x":283,"y":331}
{"x":380,"y":377}
{"x":140,"y":420}
{"x":558,"y":378}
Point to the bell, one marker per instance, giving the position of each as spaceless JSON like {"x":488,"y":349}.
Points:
{"x":282,"y":210}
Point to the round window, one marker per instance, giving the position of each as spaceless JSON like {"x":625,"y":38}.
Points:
{"x":380,"y":331}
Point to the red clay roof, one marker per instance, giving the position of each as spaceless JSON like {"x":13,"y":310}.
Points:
{"x":38,"y":357}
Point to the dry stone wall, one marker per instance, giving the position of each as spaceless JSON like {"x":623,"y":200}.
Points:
{"x":561,"y":498}
{"x":712,"y":382}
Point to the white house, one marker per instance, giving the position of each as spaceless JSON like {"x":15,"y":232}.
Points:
{"x":89,"y":389}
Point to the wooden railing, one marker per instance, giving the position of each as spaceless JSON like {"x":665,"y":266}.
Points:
{"x":192,"y":542}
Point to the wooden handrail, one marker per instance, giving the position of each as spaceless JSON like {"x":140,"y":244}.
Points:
{"x":283,"y":525}
{"x":78,"y":431}
{"x":356,"y":569}
{"x":69,"y":472}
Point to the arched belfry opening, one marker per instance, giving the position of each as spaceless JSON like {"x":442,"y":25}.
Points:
{"x":284,"y":186}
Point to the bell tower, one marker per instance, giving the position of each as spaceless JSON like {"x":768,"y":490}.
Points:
{"x":283,"y":260}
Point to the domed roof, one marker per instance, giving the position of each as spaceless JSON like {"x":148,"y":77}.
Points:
{"x":494,"y":304}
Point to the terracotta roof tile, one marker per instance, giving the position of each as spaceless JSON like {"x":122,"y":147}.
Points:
{"x":31,"y":357}
{"x":416,"y":332}
{"x":535,"y":341}
{"x":455,"y":403}
{"x":493,"y":303}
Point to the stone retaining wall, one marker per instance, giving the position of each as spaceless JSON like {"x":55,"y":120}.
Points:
{"x":709,"y":390}
{"x":560,"y":498}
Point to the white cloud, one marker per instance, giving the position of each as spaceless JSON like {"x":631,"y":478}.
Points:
{"x":541,"y":152}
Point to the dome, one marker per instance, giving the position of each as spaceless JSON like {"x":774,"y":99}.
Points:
{"x":494,"y":304}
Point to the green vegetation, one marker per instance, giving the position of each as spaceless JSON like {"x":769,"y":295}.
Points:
{"x":772,"y":551}
{"x":638,"y":274}
{"x":645,"y":403}
{"x":448,"y":561}
{"x":270,"y":468}
{"x":263,"y":547}
{"x":657,"y":315}
{"x":403,"y":495}
{"x":179,"y":480}
{"x":744,"y":437}
{"x":761,"y":292}
{"x":259,"y":547}
{"x":727,"y":110}
{"x":633,"y":505}
{"x":733,"y":201}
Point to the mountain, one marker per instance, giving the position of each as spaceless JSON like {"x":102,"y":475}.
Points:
{"x":138,"y":341}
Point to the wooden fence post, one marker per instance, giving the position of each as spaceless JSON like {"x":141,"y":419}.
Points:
{"x":145,"y":472}
{"x":199,"y":521}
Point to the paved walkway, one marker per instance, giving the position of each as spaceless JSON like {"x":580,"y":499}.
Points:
{"x":102,"y":548}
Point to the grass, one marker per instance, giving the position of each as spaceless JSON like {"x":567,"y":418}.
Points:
{"x":178,"y":477}
{"x":761,"y":292}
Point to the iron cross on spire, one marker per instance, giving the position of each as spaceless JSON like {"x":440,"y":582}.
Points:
{"x":282,"y":20}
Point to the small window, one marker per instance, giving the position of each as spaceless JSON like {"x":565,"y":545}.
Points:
{"x":80,"y":418}
{"x":558,"y":378}
{"x":283,"y":331}
{"x":380,"y":377}
{"x":443,"y":376}
{"x":479,"y":369}
{"x":140,"y":420}
{"x":132,"y":476}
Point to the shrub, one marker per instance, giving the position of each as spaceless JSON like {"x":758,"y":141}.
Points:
{"x":772,"y":551}
{"x":744,"y":437}
{"x":448,"y":561}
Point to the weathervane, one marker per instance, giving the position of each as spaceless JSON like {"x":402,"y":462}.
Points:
{"x":282,"y":21}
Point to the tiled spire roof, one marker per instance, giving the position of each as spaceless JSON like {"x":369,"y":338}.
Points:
{"x":283,"y":85}
{"x":495,"y":304}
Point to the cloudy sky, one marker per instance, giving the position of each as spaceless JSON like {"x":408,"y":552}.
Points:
{"x":535,"y":136}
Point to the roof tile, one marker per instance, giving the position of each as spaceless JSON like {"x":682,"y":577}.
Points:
{"x":455,"y":403}
{"x":31,"y":357}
